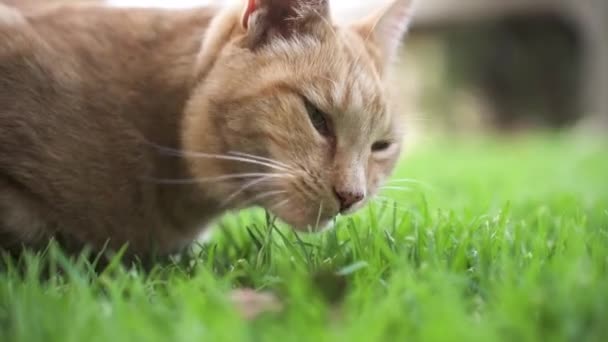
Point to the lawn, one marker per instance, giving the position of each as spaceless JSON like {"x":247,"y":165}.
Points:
{"x":490,"y":239}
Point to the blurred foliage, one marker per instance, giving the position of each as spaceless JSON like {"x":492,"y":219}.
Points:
{"x":502,"y":239}
{"x":523,"y":72}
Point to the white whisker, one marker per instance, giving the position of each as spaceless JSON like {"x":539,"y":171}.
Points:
{"x":265,"y":195}
{"x":239,"y":159}
{"x":319,"y":215}
{"x":405,"y":180}
{"x":245,"y":187}
{"x":193,"y":154}
{"x":280,"y":204}
{"x":269,"y":160}
{"x":410,"y":181}
{"x":217,"y":179}
{"x":398,"y":188}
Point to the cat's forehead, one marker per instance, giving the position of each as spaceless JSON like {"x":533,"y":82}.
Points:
{"x":336,"y":53}
{"x":337,"y":72}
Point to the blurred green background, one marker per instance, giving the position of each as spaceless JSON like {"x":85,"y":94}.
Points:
{"x":498,"y":232}
{"x":507,"y":66}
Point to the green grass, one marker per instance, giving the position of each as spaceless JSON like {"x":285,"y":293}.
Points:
{"x":502,"y":239}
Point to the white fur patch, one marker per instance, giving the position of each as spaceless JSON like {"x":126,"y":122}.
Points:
{"x":10,"y":16}
{"x":162,"y":3}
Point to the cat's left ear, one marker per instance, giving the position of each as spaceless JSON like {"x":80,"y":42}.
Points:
{"x":265,"y":20}
{"x":387,"y":27}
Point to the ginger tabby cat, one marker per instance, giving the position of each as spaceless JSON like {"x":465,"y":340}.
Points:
{"x":143,"y":126}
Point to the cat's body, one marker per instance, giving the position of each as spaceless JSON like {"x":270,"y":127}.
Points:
{"x":84,"y":96}
{"x":142,"y":126}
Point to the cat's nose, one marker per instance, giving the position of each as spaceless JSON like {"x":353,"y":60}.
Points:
{"x":348,"y":198}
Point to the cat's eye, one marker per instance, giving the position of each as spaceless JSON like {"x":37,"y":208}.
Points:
{"x":381,"y":146}
{"x":318,"y":119}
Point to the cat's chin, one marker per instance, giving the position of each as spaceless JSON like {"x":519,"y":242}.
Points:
{"x":319,"y":225}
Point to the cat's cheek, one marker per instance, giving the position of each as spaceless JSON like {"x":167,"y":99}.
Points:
{"x":326,"y":226}
{"x":356,"y":208}
{"x":301,"y":219}
{"x":383,"y":169}
{"x":376,"y":179}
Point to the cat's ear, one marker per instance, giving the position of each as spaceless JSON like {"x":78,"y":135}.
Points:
{"x":387,"y":27}
{"x":267,"y":19}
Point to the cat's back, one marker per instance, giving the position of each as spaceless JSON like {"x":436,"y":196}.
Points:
{"x":87,"y":84}
{"x":82,"y":67}
{"x":95,"y":39}
{"x":67,"y":153}
{"x":63,"y":81}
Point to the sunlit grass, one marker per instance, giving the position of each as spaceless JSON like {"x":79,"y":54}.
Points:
{"x":498,"y":239}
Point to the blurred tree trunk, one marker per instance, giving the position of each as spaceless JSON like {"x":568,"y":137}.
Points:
{"x":589,"y":16}
{"x":594,"y":19}
{"x":29,"y":4}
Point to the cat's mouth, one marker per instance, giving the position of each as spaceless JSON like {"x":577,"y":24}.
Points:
{"x":303,"y":218}
{"x":320,"y":225}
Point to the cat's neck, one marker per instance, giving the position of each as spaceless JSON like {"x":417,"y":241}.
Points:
{"x":139,"y":66}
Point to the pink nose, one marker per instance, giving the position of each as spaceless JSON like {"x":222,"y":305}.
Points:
{"x":348,"y":198}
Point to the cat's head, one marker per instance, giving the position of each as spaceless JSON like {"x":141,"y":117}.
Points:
{"x":293,"y":111}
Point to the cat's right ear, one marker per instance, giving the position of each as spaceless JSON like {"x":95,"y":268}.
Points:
{"x":250,"y":7}
{"x":387,"y":27}
{"x":264,"y":20}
